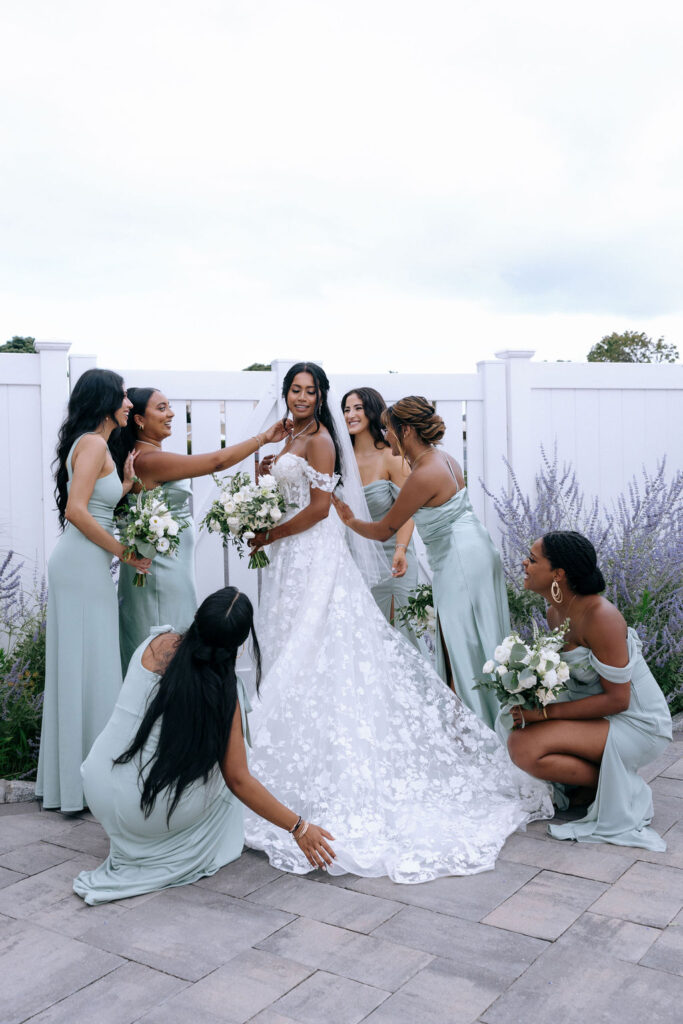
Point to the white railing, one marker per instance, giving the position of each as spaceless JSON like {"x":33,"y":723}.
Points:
{"x":607,"y":419}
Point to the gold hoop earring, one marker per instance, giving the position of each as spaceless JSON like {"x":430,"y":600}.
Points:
{"x":556,"y":593}
{"x":241,"y":650}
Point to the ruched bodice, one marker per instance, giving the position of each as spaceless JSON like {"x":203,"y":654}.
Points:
{"x":435,"y":522}
{"x":393,"y":593}
{"x":380,"y":496}
{"x":177,"y":495}
{"x":470,"y":599}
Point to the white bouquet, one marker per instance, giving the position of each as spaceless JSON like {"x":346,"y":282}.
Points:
{"x":419,"y":615}
{"x":147,"y":528}
{"x":527,"y":675}
{"x":244,"y":509}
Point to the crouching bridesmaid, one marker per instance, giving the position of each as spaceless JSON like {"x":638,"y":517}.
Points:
{"x":612,"y":720}
{"x":167,"y":776}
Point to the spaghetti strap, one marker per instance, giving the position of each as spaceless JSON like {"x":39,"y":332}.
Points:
{"x":450,"y":470}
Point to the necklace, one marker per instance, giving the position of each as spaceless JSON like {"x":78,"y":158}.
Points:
{"x":294,"y":436}
{"x":152,"y":443}
{"x":414,"y":463}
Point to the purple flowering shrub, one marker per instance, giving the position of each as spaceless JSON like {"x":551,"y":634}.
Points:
{"x":22,"y":670}
{"x":639,"y":542}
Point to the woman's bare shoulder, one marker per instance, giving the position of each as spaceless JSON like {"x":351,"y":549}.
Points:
{"x":159,"y":652}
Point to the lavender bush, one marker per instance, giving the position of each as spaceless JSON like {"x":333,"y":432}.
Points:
{"x":22,"y":670}
{"x":639,"y":541}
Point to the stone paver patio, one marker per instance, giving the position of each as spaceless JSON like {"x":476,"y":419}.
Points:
{"x":558,"y":932}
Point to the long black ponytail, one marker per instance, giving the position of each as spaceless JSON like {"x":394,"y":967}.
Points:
{"x":195,"y":701}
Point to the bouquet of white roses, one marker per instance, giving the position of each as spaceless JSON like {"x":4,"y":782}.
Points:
{"x":527,"y":675}
{"x":418,"y":614}
{"x":244,"y":509}
{"x":147,"y":528}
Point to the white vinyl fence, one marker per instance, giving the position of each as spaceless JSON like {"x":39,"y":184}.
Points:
{"x":609,"y":420}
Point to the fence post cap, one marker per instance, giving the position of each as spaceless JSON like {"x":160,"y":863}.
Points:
{"x":52,"y":346}
{"x":516,"y":353}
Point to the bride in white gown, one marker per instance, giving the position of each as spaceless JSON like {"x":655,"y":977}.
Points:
{"x":353,"y":729}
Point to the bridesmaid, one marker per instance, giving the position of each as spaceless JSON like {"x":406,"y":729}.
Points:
{"x":383,"y":474}
{"x":82,"y":668}
{"x":613,"y":719}
{"x":170,"y":594}
{"x":168,"y":775}
{"x":470,"y":600}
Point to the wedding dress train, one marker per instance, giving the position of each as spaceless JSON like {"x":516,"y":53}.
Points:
{"x":356,"y":732}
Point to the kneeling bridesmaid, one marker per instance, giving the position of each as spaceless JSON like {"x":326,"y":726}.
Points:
{"x":167,"y":776}
{"x":612,"y":720}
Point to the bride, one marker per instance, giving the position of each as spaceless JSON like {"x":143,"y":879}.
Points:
{"x":353,"y":729}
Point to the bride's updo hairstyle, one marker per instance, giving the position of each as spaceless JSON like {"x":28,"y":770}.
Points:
{"x":196,"y":699}
{"x":571,"y":551}
{"x":322,"y":409}
{"x":416,"y":412}
{"x":373,"y":407}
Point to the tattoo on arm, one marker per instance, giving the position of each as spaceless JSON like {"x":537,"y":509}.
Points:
{"x":392,"y":531}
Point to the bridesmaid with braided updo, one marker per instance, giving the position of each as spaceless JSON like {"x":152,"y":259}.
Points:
{"x":470,"y":600}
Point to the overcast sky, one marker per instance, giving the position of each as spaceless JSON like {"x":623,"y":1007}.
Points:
{"x":375,"y":183}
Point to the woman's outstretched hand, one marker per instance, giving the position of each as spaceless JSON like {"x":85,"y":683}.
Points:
{"x":315,"y":846}
{"x":278,"y":430}
{"x":343,"y":510}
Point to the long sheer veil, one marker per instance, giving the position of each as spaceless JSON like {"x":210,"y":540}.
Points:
{"x":368,"y":555}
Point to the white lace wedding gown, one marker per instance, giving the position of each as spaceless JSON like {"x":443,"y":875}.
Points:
{"x":357,"y":733}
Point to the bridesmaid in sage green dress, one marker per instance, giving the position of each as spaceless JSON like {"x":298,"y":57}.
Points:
{"x":82,"y":670}
{"x":470,"y":599}
{"x":170,"y":594}
{"x":181,"y":720}
{"x":383,"y":474}
{"x":613,"y":719}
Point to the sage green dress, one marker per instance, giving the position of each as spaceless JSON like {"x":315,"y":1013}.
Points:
{"x":470,"y":599}
{"x":82,"y":666}
{"x":169,"y":594}
{"x":380,"y":496}
{"x":206,"y":829}
{"x":622,"y":810}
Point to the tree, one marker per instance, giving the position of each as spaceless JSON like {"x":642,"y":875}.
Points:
{"x":632,"y":347}
{"x":18,"y":344}
{"x":258,"y":366}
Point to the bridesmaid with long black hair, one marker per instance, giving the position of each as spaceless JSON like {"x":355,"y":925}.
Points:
{"x":82,"y":668}
{"x":170,"y":595}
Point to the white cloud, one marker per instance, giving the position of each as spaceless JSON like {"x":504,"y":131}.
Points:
{"x":379,"y":183}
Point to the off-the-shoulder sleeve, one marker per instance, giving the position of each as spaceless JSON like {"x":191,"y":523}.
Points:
{"x":619,"y":675}
{"x":321,"y":481}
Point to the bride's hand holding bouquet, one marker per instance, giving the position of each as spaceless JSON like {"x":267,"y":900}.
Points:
{"x":246,"y":512}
